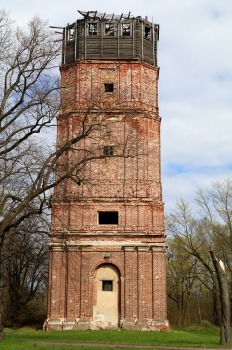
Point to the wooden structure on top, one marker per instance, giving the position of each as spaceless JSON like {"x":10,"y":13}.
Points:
{"x":103,"y":36}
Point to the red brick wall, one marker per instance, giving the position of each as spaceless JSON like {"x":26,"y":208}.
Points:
{"x":142,"y":272}
{"x":128,"y":184}
{"x":135,"y":85}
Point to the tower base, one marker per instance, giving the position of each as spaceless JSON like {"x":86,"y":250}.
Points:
{"x":87,"y":324}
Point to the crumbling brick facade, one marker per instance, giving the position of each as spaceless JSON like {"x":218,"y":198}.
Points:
{"x":107,"y":246}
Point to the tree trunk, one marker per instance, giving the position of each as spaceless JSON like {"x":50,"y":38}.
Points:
{"x":1,"y":290}
{"x":224,"y":299}
{"x":216,"y":306}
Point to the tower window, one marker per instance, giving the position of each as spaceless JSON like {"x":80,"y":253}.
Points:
{"x":109,"y":87}
{"x":107,"y":286}
{"x":126,"y":29}
{"x":147,"y":32}
{"x":92,"y":30}
{"x":108,"y":218}
{"x":109,"y":29}
{"x":71,"y":32}
{"x":108,"y":150}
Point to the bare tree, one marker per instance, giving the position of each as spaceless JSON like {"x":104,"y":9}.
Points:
{"x":207,"y":236}
{"x":28,"y":103}
{"x":30,"y":166}
{"x":192,"y":236}
{"x":215,"y":206}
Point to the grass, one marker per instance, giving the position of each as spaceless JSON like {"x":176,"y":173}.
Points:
{"x":29,"y":338}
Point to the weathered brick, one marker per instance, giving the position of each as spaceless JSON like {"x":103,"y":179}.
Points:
{"x":132,"y":252}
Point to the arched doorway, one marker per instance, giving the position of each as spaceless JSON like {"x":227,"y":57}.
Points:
{"x":106,"y":297}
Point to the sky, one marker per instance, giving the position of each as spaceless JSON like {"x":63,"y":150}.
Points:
{"x":195,"y":84}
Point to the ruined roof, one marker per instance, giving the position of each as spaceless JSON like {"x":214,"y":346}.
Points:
{"x":99,"y":35}
{"x":105,"y":16}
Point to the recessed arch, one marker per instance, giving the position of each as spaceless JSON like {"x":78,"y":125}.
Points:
{"x":106,"y":296}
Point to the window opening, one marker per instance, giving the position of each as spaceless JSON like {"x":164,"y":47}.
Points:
{"x":92,"y":29}
{"x":147,"y":32}
{"x":71,"y":32}
{"x":107,"y":286}
{"x":108,"y":150}
{"x":109,"y":87}
{"x":108,"y":218}
{"x":125,"y":29}
{"x":109,"y":29}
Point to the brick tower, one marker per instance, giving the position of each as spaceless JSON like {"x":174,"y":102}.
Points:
{"x":107,"y":245}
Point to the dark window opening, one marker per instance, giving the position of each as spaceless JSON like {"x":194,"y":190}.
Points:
{"x":92,"y":29}
{"x":125,"y":29}
{"x":107,"y":286}
{"x":109,"y":87}
{"x":109,"y":29}
{"x":108,"y":150}
{"x":108,"y":217}
{"x":147,"y":32}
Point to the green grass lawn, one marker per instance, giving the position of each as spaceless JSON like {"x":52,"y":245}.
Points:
{"x":29,"y":338}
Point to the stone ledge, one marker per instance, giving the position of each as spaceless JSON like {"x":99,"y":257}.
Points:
{"x":85,"y":324}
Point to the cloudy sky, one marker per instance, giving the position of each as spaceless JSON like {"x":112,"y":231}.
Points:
{"x":195,"y":87}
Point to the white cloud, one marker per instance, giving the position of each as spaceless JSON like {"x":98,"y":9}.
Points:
{"x":195,"y":81}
